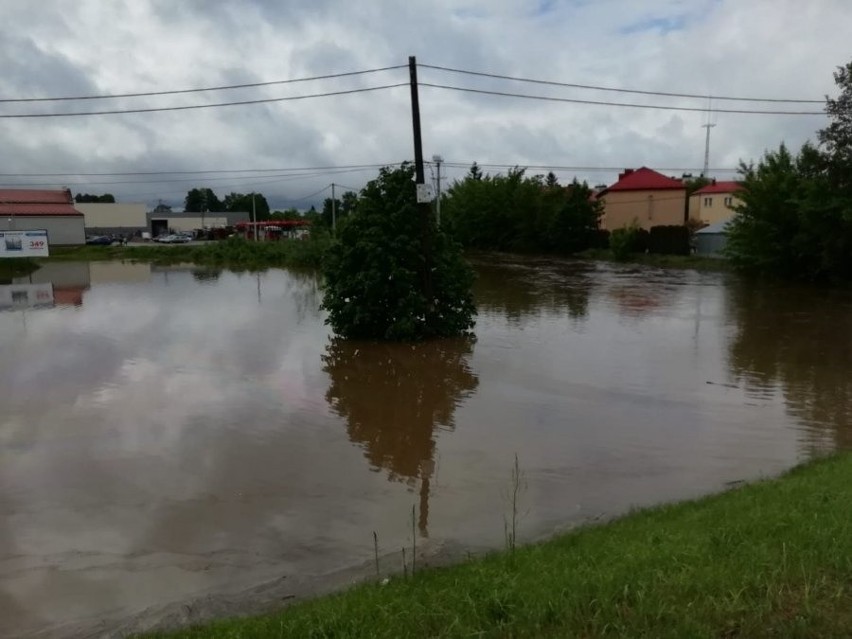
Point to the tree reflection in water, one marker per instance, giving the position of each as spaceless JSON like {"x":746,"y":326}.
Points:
{"x":394,"y":396}
{"x":799,"y":340}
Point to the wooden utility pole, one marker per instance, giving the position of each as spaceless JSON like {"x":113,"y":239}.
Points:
{"x":333,"y":210}
{"x":423,"y":202}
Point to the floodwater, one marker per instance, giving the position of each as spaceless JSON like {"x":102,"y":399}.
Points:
{"x":180,"y":443}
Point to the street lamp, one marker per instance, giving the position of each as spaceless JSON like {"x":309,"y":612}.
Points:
{"x":437,"y":159}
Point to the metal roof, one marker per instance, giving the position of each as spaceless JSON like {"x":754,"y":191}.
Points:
{"x":32,"y":202}
{"x":714,"y":229}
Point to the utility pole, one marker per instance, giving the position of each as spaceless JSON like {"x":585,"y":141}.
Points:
{"x":707,"y":126}
{"x":333,"y":210}
{"x":437,"y":159}
{"x":420,"y":183}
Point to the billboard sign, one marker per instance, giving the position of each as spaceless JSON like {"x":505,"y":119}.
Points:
{"x":31,"y":243}
{"x":21,"y":296}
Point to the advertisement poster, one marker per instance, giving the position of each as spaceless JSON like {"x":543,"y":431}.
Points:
{"x":32,"y":243}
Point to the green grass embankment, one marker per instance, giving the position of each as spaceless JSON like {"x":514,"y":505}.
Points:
{"x":233,"y":253}
{"x":772,"y":559}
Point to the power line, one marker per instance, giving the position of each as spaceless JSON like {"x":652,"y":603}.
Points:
{"x":204,"y":180}
{"x":306,"y":197}
{"x":204,"y":106}
{"x":270,"y":179}
{"x":607,"y":169}
{"x":617,"y":90}
{"x":617,"y":104}
{"x":199,"y":172}
{"x":228,"y":87}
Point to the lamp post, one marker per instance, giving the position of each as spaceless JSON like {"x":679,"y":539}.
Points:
{"x":437,"y":159}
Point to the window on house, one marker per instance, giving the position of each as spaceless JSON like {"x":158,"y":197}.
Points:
{"x":729,"y":201}
{"x":708,"y":201}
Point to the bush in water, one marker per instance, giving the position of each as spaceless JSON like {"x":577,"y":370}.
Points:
{"x":379,"y":284}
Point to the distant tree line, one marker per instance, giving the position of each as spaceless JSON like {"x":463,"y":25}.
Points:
{"x":85,"y":198}
{"x":516,"y":212}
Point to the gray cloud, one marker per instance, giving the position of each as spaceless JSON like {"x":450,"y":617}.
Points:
{"x":775,"y":48}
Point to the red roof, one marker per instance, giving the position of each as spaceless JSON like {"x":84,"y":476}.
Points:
{"x":37,"y":202}
{"x":643,"y":179}
{"x":720,"y":187}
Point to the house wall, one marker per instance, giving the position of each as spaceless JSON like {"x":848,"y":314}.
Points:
{"x":647,"y":208}
{"x":712,"y":208}
{"x":62,"y":230}
{"x":113,"y":218}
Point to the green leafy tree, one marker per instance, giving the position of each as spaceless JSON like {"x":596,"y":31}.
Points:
{"x":288,"y":215}
{"x":242,"y":203}
{"x":514,"y":212}
{"x":348,"y":203}
{"x":836,"y":138}
{"x":199,"y":200}
{"x":107,"y":198}
{"x":576,"y":219}
{"x":551,"y":180}
{"x":392,"y":274}
{"x":474,"y":173}
{"x":793,"y":222}
{"x":796,"y":217}
{"x":345,"y":206}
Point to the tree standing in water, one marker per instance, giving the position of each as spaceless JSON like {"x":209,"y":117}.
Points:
{"x":375,"y":272}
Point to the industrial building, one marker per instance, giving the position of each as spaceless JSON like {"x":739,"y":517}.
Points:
{"x":165,"y":222}
{"x":114,"y":218}
{"x":51,"y":210}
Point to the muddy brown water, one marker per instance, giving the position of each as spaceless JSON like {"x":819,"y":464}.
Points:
{"x":180,"y":443}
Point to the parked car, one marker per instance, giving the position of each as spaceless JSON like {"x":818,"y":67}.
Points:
{"x":173,"y":238}
{"x":99,"y":240}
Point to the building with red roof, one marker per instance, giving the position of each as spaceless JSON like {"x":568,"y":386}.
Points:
{"x":52,"y":210}
{"x":644,"y":197}
{"x":715,"y":202}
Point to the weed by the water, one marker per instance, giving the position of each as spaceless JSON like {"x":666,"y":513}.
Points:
{"x":232,"y":253}
{"x":772,"y":559}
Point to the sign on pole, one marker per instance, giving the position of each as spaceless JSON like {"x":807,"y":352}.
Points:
{"x":424,"y":193}
{"x":31,"y":243}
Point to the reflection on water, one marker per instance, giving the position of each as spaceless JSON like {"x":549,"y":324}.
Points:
{"x":393,"y":397}
{"x":182,"y":434}
{"x":519,"y":290}
{"x":798,"y":340}
{"x":54,"y":284}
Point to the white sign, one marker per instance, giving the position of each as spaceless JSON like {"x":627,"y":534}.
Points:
{"x":424,"y":193}
{"x":23,"y":243}
{"x":18,"y":296}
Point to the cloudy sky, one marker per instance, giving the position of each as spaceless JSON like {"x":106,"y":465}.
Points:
{"x":783,"y":49}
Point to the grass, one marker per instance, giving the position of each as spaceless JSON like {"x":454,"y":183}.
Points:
{"x":697,"y":262}
{"x":239,"y":254}
{"x":772,"y":559}
{"x":232,"y":253}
